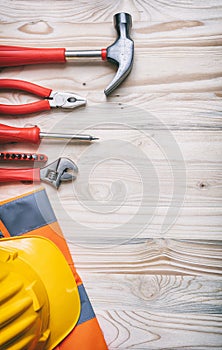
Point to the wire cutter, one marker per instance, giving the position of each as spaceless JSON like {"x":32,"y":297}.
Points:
{"x":51,"y":98}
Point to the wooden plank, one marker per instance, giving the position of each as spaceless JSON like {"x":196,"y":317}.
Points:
{"x":146,"y":330}
{"x":155,"y":293}
{"x":149,"y":257}
{"x":84,"y":11}
{"x":147,"y":35}
{"x":201,"y":188}
{"x":127,"y":225}
{"x":154,"y":111}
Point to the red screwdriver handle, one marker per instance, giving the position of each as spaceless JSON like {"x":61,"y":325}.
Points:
{"x":14,"y":175}
{"x":19,"y":56}
{"x":10,"y":134}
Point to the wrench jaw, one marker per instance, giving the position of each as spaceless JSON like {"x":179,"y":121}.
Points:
{"x":62,"y":170}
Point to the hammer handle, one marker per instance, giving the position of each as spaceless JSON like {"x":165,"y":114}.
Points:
{"x":19,"y":56}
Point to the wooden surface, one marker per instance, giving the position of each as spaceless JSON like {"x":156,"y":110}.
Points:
{"x":146,"y":239}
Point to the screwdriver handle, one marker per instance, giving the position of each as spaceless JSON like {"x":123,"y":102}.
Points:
{"x":14,"y":175}
{"x":19,"y":56}
{"x":10,"y":134}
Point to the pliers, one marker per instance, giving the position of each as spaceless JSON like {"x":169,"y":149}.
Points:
{"x":51,"y":98}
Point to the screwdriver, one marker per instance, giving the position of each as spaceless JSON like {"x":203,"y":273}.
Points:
{"x":33,"y":134}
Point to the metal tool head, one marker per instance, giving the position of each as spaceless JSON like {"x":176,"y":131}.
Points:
{"x":65,"y":100}
{"x":121,"y":52}
{"x":62,"y":170}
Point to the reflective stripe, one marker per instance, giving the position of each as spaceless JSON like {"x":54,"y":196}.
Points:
{"x":27,"y":213}
{"x":87,"y":312}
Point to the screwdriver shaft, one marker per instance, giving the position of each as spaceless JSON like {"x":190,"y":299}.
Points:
{"x":79,"y":137}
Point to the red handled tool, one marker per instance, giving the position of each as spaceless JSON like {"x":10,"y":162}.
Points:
{"x":62,"y":170}
{"x":50,"y":98}
{"x":21,"y":156}
{"x":10,"y":134}
{"x":120,"y":53}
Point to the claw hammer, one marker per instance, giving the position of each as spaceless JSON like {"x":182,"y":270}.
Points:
{"x":120,"y":53}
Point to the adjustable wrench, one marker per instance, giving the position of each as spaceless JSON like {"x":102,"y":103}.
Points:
{"x":62,"y":170}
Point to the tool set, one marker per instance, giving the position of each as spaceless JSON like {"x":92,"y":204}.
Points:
{"x":20,"y":157}
{"x":120,"y":53}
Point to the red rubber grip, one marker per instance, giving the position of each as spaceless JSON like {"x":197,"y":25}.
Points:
{"x":16,"y":84}
{"x":19,"y":56}
{"x":10,"y":134}
{"x":33,"y":107}
{"x":14,"y":175}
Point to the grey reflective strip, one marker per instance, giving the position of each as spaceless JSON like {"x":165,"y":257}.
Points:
{"x":87,"y":312}
{"x":27,"y":213}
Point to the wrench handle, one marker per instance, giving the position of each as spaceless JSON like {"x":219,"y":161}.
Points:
{"x":15,"y":175}
{"x":20,"y":56}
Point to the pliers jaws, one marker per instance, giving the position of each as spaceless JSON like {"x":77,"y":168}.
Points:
{"x":65,"y":100}
{"x":62,"y":170}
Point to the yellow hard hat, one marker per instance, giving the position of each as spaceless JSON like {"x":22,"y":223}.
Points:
{"x":39,"y":299}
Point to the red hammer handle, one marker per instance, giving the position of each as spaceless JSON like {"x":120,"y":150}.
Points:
{"x":10,"y":134}
{"x":14,"y":175}
{"x":19,"y":56}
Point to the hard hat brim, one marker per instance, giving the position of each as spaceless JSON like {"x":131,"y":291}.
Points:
{"x":49,"y":263}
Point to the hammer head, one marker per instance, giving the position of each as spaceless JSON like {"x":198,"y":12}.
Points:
{"x":121,"y":51}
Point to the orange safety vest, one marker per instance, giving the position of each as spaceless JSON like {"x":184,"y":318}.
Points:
{"x":23,"y":215}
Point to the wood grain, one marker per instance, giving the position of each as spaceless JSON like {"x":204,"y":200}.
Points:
{"x":165,"y":293}
{"x":153,"y":256}
{"x":151,"y":289}
{"x":146,"y":330}
{"x":87,"y":11}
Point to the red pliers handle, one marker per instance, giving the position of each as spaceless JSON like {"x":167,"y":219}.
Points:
{"x":21,"y":85}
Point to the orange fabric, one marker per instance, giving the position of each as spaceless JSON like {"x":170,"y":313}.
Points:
{"x":84,"y":337}
{"x":4,"y":230}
